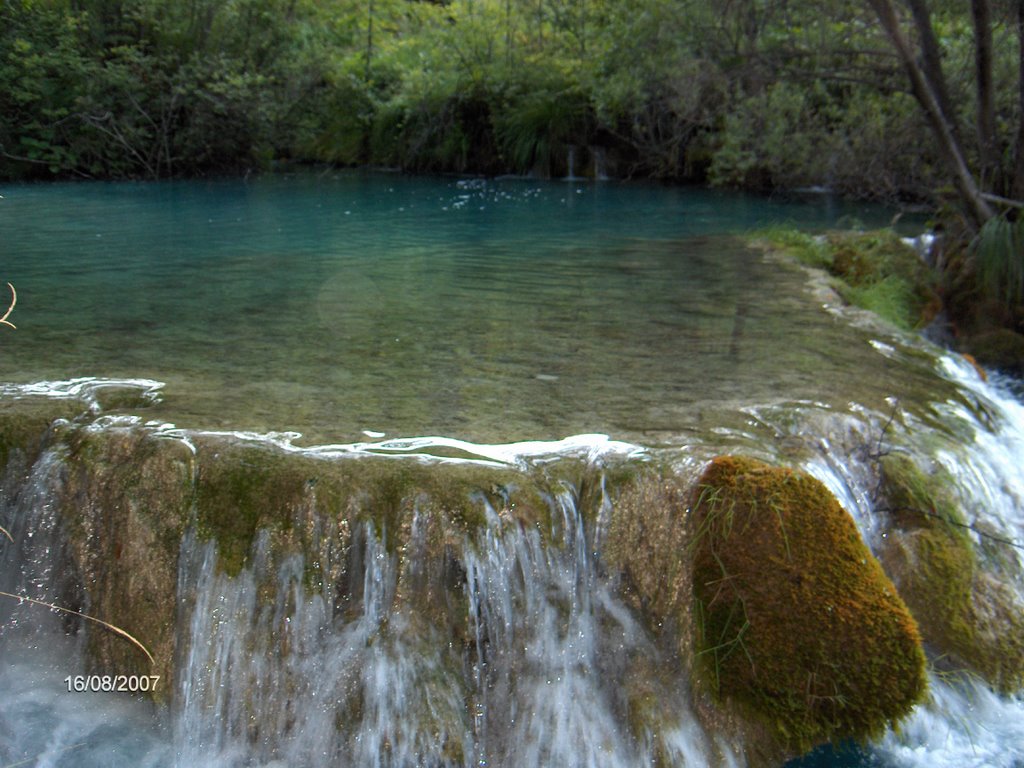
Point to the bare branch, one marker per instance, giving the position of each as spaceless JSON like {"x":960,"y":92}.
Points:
{"x":111,"y":627}
{"x":4,"y":320}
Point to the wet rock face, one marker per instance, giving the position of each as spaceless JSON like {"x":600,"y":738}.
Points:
{"x":742,"y":602}
{"x":798,"y":626}
{"x":124,"y":498}
{"x":125,"y":501}
{"x":969,"y":618}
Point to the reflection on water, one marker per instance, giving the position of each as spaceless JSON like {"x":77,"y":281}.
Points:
{"x":489,"y":311}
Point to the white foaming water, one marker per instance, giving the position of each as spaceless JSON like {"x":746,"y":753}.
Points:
{"x":88,"y":389}
{"x":963,"y":723}
{"x":42,"y":724}
{"x":272,"y":672}
{"x":298,"y":681}
{"x":553,"y":648}
{"x":379,"y":685}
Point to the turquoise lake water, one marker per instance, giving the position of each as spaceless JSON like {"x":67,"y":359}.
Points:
{"x":334,"y":303}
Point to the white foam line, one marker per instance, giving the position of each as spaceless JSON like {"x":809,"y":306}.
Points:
{"x":84,"y":388}
{"x":591,"y":446}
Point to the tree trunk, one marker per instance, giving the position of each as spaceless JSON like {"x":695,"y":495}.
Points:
{"x":369,"y":40}
{"x":925,"y":92}
{"x":1018,"y":175}
{"x":981,"y":15}
{"x":931,"y":62}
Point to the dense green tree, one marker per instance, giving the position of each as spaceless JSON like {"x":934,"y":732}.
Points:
{"x":892,"y":99}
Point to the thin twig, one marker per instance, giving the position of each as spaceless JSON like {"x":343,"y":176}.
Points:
{"x":885,"y":428}
{"x":950,"y":521}
{"x":14,"y":300}
{"x":101,"y":622}
{"x":5,"y":533}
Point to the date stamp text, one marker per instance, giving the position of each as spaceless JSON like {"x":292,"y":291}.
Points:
{"x":112,"y":683}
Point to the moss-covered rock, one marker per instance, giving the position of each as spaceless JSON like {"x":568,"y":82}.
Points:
{"x":968,"y":618}
{"x":875,"y":271}
{"x":798,"y":625}
{"x":126,"y":501}
{"x":244,"y":488}
{"x":881,"y":273}
{"x":646,"y":543}
{"x":24,"y":424}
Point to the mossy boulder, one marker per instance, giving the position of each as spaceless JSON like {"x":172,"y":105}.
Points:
{"x":967,"y":616}
{"x":798,"y":626}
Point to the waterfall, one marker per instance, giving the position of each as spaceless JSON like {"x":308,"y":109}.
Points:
{"x":981,"y":446}
{"x":305,"y":683}
{"x":389,"y":640}
{"x":600,"y":155}
{"x":41,"y":723}
{"x":570,"y":159}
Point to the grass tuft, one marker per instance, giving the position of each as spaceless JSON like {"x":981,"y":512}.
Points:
{"x":998,"y":252}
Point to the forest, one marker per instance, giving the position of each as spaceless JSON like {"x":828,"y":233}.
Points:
{"x":757,"y":94}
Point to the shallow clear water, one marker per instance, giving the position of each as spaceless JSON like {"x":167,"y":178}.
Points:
{"x":484,"y":310}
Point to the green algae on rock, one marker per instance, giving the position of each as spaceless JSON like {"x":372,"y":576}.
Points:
{"x":646,"y":542}
{"x":797,"y":624}
{"x":876,"y":271}
{"x":966,"y":615}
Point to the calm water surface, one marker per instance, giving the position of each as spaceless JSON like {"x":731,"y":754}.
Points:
{"x":484,"y":310}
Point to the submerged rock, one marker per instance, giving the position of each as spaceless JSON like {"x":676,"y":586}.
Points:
{"x":968,"y":618}
{"x":1001,"y":348}
{"x":797,"y":625}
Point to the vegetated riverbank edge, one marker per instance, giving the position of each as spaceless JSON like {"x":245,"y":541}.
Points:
{"x":924,"y":286}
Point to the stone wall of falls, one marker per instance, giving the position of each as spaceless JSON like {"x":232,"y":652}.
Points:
{"x":366,"y":611}
{"x":307,"y":608}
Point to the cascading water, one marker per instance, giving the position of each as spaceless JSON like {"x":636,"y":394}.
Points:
{"x":274,"y":668}
{"x":306,"y":683}
{"x":978,"y":440}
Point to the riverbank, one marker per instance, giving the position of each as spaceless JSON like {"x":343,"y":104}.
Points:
{"x":927,"y":286}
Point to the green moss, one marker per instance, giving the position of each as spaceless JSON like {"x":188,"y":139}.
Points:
{"x":25,"y":422}
{"x":876,"y":271}
{"x":806,"y":248}
{"x":798,"y":625}
{"x":881,"y":273}
{"x":966,"y":616}
{"x":243,"y":489}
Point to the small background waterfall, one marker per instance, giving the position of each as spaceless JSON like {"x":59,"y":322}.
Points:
{"x":425,"y":576}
